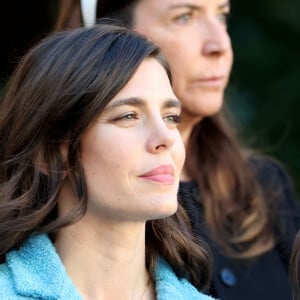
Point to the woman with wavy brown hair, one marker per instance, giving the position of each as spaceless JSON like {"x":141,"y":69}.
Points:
{"x":90,"y":158}
{"x":242,"y":203}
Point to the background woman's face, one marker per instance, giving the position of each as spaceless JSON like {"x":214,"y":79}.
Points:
{"x":133,"y":154}
{"x":193,"y":36}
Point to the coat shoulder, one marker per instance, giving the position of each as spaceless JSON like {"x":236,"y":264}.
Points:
{"x":7,"y":290}
{"x":169,"y":286}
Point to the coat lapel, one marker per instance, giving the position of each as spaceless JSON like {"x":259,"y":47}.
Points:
{"x":37,"y":271}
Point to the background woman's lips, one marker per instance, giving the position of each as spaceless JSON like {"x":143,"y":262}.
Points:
{"x":210,"y":82}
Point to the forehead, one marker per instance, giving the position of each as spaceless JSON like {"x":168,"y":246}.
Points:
{"x":172,"y":4}
{"x":149,"y":81}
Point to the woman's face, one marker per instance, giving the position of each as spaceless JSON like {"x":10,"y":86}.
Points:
{"x":132,"y":155}
{"x":193,"y":36}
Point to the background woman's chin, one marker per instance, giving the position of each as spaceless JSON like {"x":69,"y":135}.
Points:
{"x":205,"y":105}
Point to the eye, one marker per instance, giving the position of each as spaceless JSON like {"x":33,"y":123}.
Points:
{"x":184,"y":18}
{"x":173,"y":119}
{"x":127,"y":117}
{"x":223,"y":17}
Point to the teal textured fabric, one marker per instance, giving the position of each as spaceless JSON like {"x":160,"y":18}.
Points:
{"x":35,"y":271}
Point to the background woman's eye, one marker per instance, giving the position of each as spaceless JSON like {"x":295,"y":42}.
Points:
{"x":223,"y":17}
{"x":183,"y":18}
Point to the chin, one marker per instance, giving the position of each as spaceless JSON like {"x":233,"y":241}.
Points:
{"x":204,"y":105}
{"x":164,"y":207}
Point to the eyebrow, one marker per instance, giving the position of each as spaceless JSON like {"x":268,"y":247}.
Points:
{"x":138,"y":102}
{"x":224,"y":5}
{"x":184,"y":5}
{"x":196,"y":7}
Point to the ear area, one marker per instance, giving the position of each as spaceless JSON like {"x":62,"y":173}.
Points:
{"x":45,"y":164}
{"x":64,"y":149}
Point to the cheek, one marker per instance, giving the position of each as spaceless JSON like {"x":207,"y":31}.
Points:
{"x":176,"y":51}
{"x":102,"y":146}
{"x":229,"y":52}
{"x":104,"y":168}
{"x":179,"y":153}
{"x":104,"y":158}
{"x":97,"y":156}
{"x":231,"y":58}
{"x":181,"y":59}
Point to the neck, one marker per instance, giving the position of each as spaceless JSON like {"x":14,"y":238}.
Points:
{"x":105,"y":261}
{"x":188,"y":122}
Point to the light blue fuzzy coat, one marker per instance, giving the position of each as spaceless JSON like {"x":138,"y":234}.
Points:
{"x":35,"y":271}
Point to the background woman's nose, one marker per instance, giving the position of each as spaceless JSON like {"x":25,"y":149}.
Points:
{"x":213,"y":48}
{"x":216,"y":40}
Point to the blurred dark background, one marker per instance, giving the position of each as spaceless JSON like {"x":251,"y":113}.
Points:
{"x":264,"y":92}
{"x":21,"y":24}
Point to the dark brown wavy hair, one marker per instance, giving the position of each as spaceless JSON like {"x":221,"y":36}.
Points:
{"x":59,"y":88}
{"x":236,"y":211}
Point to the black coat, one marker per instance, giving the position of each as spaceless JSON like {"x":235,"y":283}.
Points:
{"x":266,"y":277}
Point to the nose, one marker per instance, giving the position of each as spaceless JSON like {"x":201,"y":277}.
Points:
{"x":161,"y":138}
{"x":216,"y":39}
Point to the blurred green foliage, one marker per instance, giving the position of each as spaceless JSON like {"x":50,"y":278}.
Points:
{"x":264,"y":92}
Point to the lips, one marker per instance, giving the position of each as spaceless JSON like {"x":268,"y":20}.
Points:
{"x":163,"y":174}
{"x":210,"y":81}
